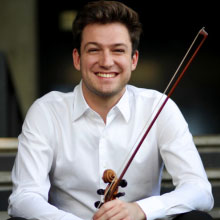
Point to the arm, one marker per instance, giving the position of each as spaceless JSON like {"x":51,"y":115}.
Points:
{"x":192,"y":189}
{"x":30,"y":173}
{"x":183,"y":163}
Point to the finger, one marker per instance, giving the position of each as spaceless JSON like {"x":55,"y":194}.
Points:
{"x":108,"y":210}
{"x":118,"y":212}
{"x":114,"y":210}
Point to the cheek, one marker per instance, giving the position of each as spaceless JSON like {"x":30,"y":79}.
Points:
{"x":125,"y":63}
{"x":88,"y":62}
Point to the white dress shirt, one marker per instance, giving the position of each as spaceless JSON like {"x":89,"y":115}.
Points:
{"x":65,"y":147}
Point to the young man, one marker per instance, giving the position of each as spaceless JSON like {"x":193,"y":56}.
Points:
{"x":69,"y":140}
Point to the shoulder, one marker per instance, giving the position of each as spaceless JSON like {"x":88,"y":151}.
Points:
{"x":151,"y":99}
{"x":48,"y":109}
{"x":143,"y":94}
{"x":55,"y":101}
{"x":55,"y":97}
{"x":51,"y":104}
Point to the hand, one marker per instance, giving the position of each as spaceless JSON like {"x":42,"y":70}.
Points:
{"x":118,"y":210}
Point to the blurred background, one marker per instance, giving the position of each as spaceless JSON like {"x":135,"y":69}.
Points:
{"x":36,"y":56}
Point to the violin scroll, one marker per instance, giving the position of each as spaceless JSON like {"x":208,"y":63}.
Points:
{"x":111,"y":191}
{"x":108,"y":176}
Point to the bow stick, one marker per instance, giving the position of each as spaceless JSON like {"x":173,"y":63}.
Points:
{"x":115,"y":184}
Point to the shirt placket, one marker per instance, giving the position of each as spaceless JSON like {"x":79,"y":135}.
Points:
{"x":103,"y":163}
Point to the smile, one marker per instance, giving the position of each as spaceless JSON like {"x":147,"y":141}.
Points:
{"x":106,"y":75}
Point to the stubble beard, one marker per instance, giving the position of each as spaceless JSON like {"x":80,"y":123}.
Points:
{"x":107,"y":94}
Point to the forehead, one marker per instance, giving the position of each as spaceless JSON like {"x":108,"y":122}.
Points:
{"x":106,"y":34}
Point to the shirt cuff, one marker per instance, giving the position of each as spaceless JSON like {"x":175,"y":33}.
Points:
{"x":152,"y":207}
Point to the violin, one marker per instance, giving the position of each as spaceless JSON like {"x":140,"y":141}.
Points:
{"x":109,"y":176}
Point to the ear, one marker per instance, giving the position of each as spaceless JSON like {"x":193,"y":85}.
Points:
{"x":135,"y":60}
{"x":76,"y":59}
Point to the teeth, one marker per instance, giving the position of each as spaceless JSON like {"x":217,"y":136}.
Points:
{"x":106,"y":75}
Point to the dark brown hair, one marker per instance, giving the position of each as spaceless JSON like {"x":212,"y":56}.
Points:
{"x":104,"y":12}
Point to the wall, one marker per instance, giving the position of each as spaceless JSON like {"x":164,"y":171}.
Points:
{"x":18,"y":39}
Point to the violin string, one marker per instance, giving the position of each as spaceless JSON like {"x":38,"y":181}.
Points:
{"x":151,"y":115}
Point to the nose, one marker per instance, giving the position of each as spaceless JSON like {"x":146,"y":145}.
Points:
{"x":106,"y":59}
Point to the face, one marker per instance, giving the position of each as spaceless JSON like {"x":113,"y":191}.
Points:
{"x":105,"y":60}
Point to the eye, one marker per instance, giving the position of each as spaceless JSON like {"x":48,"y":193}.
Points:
{"x":93,"y":50}
{"x":120,"y":51}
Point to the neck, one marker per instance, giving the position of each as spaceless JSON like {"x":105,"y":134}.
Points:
{"x":101,"y":104}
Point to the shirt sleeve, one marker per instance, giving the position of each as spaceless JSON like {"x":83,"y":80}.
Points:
{"x":30,"y":174}
{"x":182,"y":161}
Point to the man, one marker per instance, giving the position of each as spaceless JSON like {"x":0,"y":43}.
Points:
{"x":69,"y":140}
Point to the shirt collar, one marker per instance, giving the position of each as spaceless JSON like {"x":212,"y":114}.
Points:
{"x":124,"y":106}
{"x":78,"y":110}
{"x":79,"y":106}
